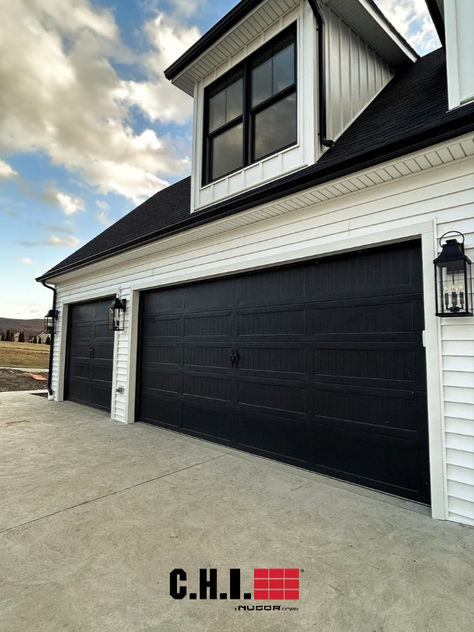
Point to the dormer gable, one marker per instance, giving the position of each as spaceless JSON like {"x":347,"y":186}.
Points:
{"x":277,"y":82}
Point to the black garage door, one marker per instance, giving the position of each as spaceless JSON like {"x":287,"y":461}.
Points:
{"x":90,"y":355}
{"x":319,"y":364}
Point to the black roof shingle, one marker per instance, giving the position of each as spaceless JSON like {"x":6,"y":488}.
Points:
{"x":410,"y":113}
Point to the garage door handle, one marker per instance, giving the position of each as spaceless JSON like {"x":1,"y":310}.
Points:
{"x":91,"y":352}
{"x":234,"y":357}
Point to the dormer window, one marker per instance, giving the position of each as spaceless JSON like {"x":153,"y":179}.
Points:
{"x":250,"y":113}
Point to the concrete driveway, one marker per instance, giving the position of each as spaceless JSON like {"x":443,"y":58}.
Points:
{"x":95,"y":514}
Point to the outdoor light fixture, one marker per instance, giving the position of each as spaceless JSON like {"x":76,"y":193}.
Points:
{"x":117,"y":314}
{"x":453,"y":278}
{"x":49,"y":321}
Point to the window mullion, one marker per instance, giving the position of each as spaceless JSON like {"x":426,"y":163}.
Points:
{"x":273,"y":99}
{"x":225,"y":127}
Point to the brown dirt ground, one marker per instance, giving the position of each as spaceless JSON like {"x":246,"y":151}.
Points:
{"x":11,"y":380}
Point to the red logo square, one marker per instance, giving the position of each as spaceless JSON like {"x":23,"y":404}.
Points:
{"x":260,"y":584}
{"x":292,"y":584}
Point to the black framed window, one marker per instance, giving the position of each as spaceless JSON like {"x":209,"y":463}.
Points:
{"x":250,"y":112}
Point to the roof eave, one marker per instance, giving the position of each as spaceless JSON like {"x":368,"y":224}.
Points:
{"x":287,"y":186}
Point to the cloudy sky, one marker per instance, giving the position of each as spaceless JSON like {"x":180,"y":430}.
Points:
{"x":89,"y":127}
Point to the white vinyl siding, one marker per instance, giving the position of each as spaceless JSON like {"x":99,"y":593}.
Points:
{"x":322,"y":220}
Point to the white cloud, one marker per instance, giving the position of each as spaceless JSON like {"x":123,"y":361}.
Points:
{"x":6,"y":171}
{"x":102,"y":205}
{"x":158,"y":98}
{"x":67,"y":240}
{"x":26,"y":261}
{"x":70,"y":205}
{"x":104,"y":218}
{"x":62,"y":96}
{"x":53,"y":240}
{"x":412,"y":20}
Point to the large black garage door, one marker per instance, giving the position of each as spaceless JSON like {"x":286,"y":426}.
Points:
{"x":90,"y":355}
{"x":319,"y":364}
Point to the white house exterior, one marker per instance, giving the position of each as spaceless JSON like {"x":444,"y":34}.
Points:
{"x":302,"y":204}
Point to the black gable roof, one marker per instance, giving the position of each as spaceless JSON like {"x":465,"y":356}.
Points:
{"x":165,"y":208}
{"x":410,"y":113}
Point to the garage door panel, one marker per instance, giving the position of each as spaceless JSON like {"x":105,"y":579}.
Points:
{"x":274,"y":436}
{"x":272,"y":396}
{"x":103,"y":350}
{"x":101,"y":330}
{"x":161,"y":354}
{"x":365,"y":274}
{"x":155,"y":327}
{"x":164,"y":409}
{"x":101,"y":372}
{"x":272,"y":287}
{"x":208,"y":387}
{"x":207,"y":356}
{"x":273,"y":358}
{"x":158,"y":304}
{"x":379,"y":365}
{"x":209,"y":420}
{"x":364,"y":320}
{"x":272,"y":323}
{"x":160,"y":378}
{"x":208,"y":296}
{"x":78,"y":349}
{"x":208,"y":325}
{"x":100,"y":395}
{"x":80,"y":368}
{"x":80,"y":391}
{"x":362,"y":457}
{"x":329,"y":369}
{"x":83,"y":329}
{"x":394,"y":413}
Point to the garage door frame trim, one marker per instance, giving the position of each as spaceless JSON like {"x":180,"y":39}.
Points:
{"x":426,"y":231}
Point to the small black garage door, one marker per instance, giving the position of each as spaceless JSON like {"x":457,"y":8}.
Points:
{"x":319,"y":364}
{"x":90,"y":355}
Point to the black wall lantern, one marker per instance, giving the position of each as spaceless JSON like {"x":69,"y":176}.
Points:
{"x":50,"y":321}
{"x":117,"y":314}
{"x":453,"y":278}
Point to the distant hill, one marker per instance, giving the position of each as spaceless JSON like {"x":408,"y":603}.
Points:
{"x":31,"y":326}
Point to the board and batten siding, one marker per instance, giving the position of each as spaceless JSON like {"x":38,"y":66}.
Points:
{"x":355,"y":73}
{"x":438,"y":198}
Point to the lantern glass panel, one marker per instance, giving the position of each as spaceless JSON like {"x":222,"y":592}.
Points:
{"x":453,"y":289}
{"x":117,"y":315}
{"x":48,"y":323}
{"x":453,"y":276}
